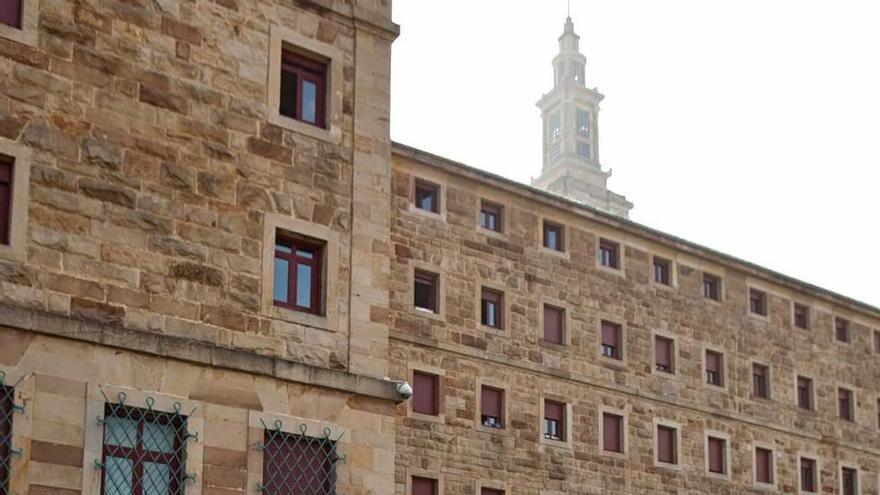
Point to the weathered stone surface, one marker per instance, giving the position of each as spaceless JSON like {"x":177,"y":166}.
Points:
{"x":196,"y":272}
{"x":108,"y":192}
{"x":96,"y":311}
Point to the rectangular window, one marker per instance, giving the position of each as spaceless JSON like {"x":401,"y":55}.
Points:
{"x":491,"y":216}
{"x":492,"y":308}
{"x":295,"y":463}
{"x":611,"y":340}
{"x":667,"y":445}
{"x":491,"y":491}
{"x":717,"y":454}
{"x":424,"y":486}
{"x":583,"y":124}
{"x":801,"y":316}
{"x":760,"y":381}
{"x":845,"y":404}
{"x":662,"y":271}
{"x":303,"y":88}
{"x":6,"y":178}
{"x":877,"y":342}
{"x":492,"y":407}
{"x":427,"y":196}
{"x":554,"y":420}
{"x":11,"y":12}
{"x":298,"y":275}
{"x":7,"y":399}
{"x":809,"y":475}
{"x":878,"y":414}
{"x":841,"y":330}
{"x":554,"y":324}
{"x":715,"y":368}
{"x":583,"y":149}
{"x":758,"y":302}
{"x":711,"y":287}
{"x":664,"y":354}
{"x":612,"y":432}
{"x":849,"y":481}
{"x":763,"y":465}
{"x":426,"y":393}
{"x":144,"y":451}
{"x":609,"y":254}
{"x":805,"y":393}
{"x":426,"y":291}
{"x":554,"y":236}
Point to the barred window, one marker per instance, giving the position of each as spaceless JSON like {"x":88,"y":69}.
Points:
{"x":144,"y":450}
{"x":297,"y":464}
{"x":7,"y":396}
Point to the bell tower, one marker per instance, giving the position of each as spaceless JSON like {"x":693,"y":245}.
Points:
{"x":570,"y":113}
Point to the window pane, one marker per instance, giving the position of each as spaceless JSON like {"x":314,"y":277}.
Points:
{"x":288,"y":94}
{"x":310,"y":99}
{"x":157,"y":478}
{"x":307,"y":254}
{"x":120,"y":432}
{"x":282,"y":276}
{"x":117,"y":476}
{"x":303,"y":286}
{"x":158,"y":438}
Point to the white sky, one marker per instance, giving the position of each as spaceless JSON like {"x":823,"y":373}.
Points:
{"x":748,"y":126}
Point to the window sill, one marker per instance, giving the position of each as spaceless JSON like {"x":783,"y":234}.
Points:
{"x":493,"y":431}
{"x":440,"y":217}
{"x":560,"y":444}
{"x":767,"y":487}
{"x":552,"y":252}
{"x":553,"y":346}
{"x":613,"y":271}
{"x":664,"y":374}
{"x":615,"y":364}
{"x":426,"y":313}
{"x":26,"y":36}
{"x":661,"y":286}
{"x":301,"y":318}
{"x":492,"y":233}
{"x":12,"y":253}
{"x":333,"y":135}
{"x":716,"y":388}
{"x":665,"y":465}
{"x":440,"y":418}
{"x":612,"y":455}
{"x":759,"y":317}
{"x":718,"y":476}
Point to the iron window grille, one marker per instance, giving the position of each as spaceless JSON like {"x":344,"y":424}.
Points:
{"x":8,"y":409}
{"x":144,"y":450}
{"x":299,"y":464}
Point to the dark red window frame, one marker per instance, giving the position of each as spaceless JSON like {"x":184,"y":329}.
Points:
{"x":427,"y":191}
{"x":612,"y":432}
{"x":294,"y":259}
{"x":845,"y":404}
{"x":558,"y":233}
{"x":554,"y":420}
{"x":554,"y":324}
{"x":801,"y":316}
{"x":758,"y":302}
{"x":430,"y":282}
{"x":805,"y":393}
{"x":763,"y":465}
{"x":612,"y":335}
{"x":491,"y":216}
{"x":808,"y":475}
{"x":760,"y":381}
{"x":662,"y":271}
{"x":303,"y":69}
{"x":426,"y":393}
{"x":711,"y":287}
{"x":492,"y":308}
{"x":296,"y":464}
{"x":139,"y":454}
{"x":664,"y":354}
{"x":423,"y":486}
{"x":667,"y":444}
{"x":717,"y":448}
{"x":7,"y":165}
{"x":715,"y":368}
{"x":11,"y":12}
{"x":492,"y":407}
{"x":609,"y":254}
{"x":841,"y":330}
{"x":6,"y":411}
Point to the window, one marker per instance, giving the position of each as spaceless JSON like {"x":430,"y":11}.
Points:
{"x":877,"y":342}
{"x":715,"y":368}
{"x":878,"y":413}
{"x":849,"y":481}
{"x":711,"y":287}
{"x":801,"y":316}
{"x":554,"y":324}
{"x":763,"y":465}
{"x":845,"y":404}
{"x":612,"y":432}
{"x":554,"y":236}
{"x":492,"y":407}
{"x":583,"y":124}
{"x":554,"y":136}
{"x":809,"y":475}
{"x":664,"y":354}
{"x":303,"y":88}
{"x":760,"y":381}
{"x":805,"y":393}
{"x":717,"y":455}
{"x":662,"y":271}
{"x":491,"y":216}
{"x":426,"y":393}
{"x":609,"y":254}
{"x":425,"y":292}
{"x":611,"y":340}
{"x":298,"y":276}
{"x":6,"y":168}
{"x":296,"y":463}
{"x":583,"y":149}
{"x":667,"y":444}
{"x":424,"y":486}
{"x":7,"y":398}
{"x":427,"y":196}
{"x":11,"y":12}
{"x":490,"y":491}
{"x":492,"y":308}
{"x":144,"y":451}
{"x":841,"y":330}
{"x":757,"y":302}
{"x":554,"y":420}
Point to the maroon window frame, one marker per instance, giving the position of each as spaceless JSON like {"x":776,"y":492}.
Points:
{"x":667,"y":450}
{"x":845,"y":404}
{"x":554,"y":324}
{"x":808,"y":475}
{"x":878,"y":413}
{"x":425,"y":293}
{"x":492,"y":308}
{"x":609,"y":254}
{"x":293,"y":464}
{"x":11,"y":12}
{"x":662,"y":271}
{"x":805,"y":393}
{"x":612,"y":432}
{"x":427,"y":196}
{"x":849,"y":481}
{"x":841,"y":330}
{"x":6,"y":412}
{"x":554,"y":420}
{"x":491,"y":216}
{"x":296,"y":70}
{"x":801,"y":316}
{"x":717,"y":455}
{"x":760,"y":381}
{"x":715,"y":368}
{"x":664,"y":354}
{"x":140,"y":455}
{"x":763,"y":465}
{"x":711,"y":287}
{"x":296,"y":258}
{"x":6,"y":180}
{"x":423,"y":486}
{"x":554,"y":236}
{"x":758,"y":302}
{"x":492,"y":407}
{"x":611,"y":337}
{"x":426,"y":393}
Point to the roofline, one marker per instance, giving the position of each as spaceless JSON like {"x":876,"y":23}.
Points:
{"x":633,"y":227}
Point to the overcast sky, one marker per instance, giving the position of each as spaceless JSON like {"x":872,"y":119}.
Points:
{"x":748,"y":126}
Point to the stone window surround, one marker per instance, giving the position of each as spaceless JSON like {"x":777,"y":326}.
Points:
{"x":850,"y":465}
{"x":16,"y":250}
{"x":812,"y":379}
{"x":282,"y":38}
{"x":495,"y":485}
{"x":623,"y":413}
{"x":567,"y":329}
{"x":722,"y":293}
{"x":500,"y":385}
{"x":569,"y":421}
{"x":22,"y":427}
{"x":727,"y":458}
{"x":624,"y":333}
{"x":330,"y":321}
{"x":815,"y":458}
{"x":621,"y":255}
{"x":750,"y":286}
{"x":504,"y":330}
{"x":770,"y":388}
{"x":566,"y":237}
{"x":810,"y":314}
{"x":673,"y":271}
{"x":440,"y":373}
{"x":725,"y":367}
{"x":29,"y":32}
{"x":441,"y":292}
{"x":774,"y":465}
{"x":854,"y":404}
{"x":850,"y":331}
{"x":94,"y":433}
{"x":442,"y":186}
{"x":423,"y":473}
{"x":658,"y":422}
{"x":675,"y":349}
{"x":505,"y":215}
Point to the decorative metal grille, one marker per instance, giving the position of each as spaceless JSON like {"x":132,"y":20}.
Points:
{"x":144,"y":449}
{"x":8,"y":408}
{"x":297,"y":464}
